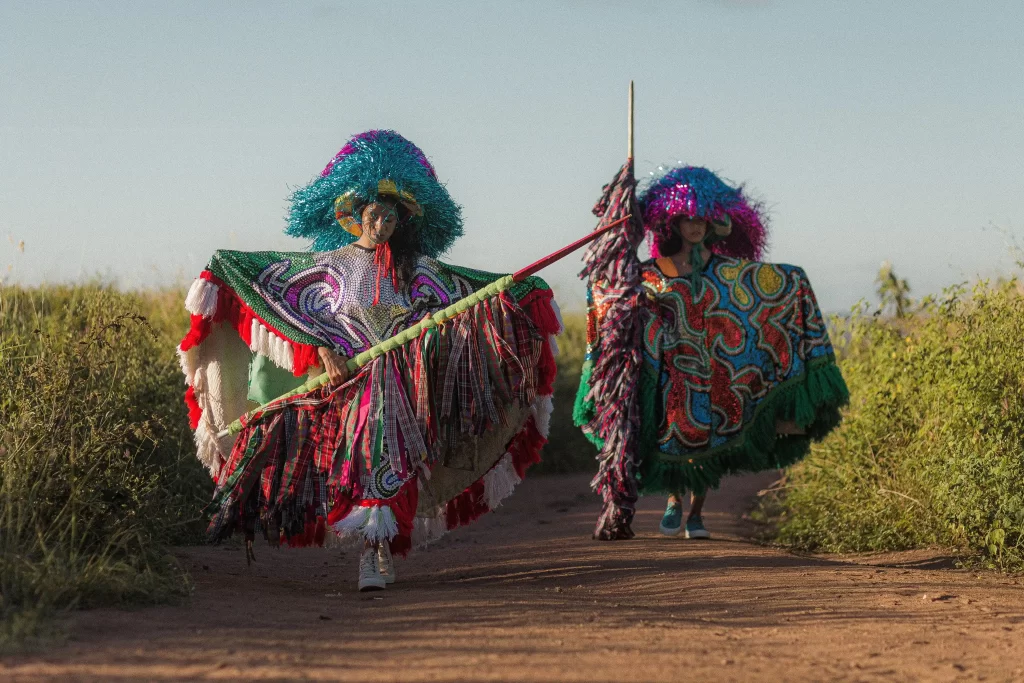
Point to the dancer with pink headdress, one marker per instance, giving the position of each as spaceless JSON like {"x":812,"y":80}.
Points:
{"x":702,"y":361}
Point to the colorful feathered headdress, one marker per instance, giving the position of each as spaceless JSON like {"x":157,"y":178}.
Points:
{"x":374,"y":164}
{"x":739,"y":225}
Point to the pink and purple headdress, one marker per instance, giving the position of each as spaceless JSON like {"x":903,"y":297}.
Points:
{"x":696,"y":192}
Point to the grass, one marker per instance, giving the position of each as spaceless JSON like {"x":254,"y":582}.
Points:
{"x":97,"y":475}
{"x":930,"y":451}
{"x":568,"y":450}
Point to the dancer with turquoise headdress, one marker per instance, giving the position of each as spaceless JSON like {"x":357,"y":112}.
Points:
{"x":702,"y":361}
{"x":436,"y":428}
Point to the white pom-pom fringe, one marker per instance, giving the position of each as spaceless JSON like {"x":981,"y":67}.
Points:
{"x":541,"y":410}
{"x":500,"y":482}
{"x":558,"y":316}
{"x":206,"y":447}
{"x":428,"y":529}
{"x":375,"y":523}
{"x":266,"y":343}
{"x":189,"y":361}
{"x":202,"y":298}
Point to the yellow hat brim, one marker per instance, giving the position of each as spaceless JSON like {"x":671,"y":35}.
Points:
{"x":344,"y":205}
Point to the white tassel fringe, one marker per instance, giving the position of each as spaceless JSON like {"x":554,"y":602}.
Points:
{"x":202,"y":298}
{"x":558,"y":316}
{"x":266,"y":343}
{"x":500,"y":482}
{"x":541,"y":410}
{"x":375,"y":524}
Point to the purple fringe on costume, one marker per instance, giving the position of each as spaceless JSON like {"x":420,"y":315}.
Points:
{"x":352,"y":145}
{"x":613,"y":269}
{"x":693,"y":191}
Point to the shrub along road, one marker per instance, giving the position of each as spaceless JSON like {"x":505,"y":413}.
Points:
{"x":524,"y":595}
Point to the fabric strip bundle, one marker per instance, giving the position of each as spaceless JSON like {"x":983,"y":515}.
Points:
{"x":612,"y":271}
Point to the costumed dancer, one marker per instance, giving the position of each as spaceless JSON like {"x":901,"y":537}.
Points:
{"x":702,"y":361}
{"x":424,"y":438}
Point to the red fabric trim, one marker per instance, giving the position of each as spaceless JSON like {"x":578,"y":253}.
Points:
{"x":199,"y":329}
{"x":342,"y":506}
{"x":194,"y":411}
{"x":404,"y":507}
{"x":537,"y":305}
{"x":304,"y":357}
{"x":232,"y":309}
{"x":313,"y":533}
{"x":469,"y":505}
{"x":526,"y":447}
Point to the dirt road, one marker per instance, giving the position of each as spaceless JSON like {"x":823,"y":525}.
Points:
{"x":525,"y":595}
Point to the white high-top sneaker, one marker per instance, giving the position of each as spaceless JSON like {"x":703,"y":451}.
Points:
{"x":370,"y":578}
{"x":386,"y":562}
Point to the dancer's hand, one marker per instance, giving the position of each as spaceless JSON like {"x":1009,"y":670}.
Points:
{"x":334,"y":364}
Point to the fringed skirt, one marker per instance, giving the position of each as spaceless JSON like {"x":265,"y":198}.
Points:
{"x":423,"y":440}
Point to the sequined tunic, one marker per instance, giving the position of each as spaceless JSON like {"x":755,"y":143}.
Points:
{"x":335,"y":297}
{"x":750,"y":327}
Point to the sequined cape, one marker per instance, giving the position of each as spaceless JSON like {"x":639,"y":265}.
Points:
{"x":722,"y":365}
{"x":467,"y":402}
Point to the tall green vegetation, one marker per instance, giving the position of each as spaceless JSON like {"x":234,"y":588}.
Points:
{"x":568,"y":450}
{"x":97,"y":475}
{"x":931,"y":450}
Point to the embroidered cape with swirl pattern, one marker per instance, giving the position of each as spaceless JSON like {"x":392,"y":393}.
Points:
{"x":687,"y":376}
{"x":422,"y":439}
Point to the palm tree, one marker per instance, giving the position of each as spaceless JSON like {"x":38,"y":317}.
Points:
{"x":893,"y":290}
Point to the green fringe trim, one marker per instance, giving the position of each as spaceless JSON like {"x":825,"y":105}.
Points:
{"x":582,"y":409}
{"x":811,"y":400}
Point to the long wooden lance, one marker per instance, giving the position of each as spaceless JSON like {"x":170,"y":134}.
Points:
{"x":413,"y":332}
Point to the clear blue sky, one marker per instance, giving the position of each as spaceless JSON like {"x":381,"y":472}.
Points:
{"x":137,"y":138}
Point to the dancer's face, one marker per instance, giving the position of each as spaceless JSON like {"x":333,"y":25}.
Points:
{"x":693,"y":230}
{"x":380,"y":218}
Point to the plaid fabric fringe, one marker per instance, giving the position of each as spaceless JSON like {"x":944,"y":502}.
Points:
{"x":295,"y":467}
{"x":612,"y":271}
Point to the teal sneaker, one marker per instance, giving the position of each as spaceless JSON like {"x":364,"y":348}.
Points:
{"x":672,"y":522}
{"x":695,"y":528}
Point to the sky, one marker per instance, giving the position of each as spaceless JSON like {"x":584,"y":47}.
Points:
{"x":137,"y":138}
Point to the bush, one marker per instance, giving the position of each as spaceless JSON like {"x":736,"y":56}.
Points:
{"x":930,"y":450}
{"x":97,"y":472}
{"x":568,"y":450}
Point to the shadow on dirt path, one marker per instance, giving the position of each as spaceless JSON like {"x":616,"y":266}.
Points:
{"x":525,"y":595}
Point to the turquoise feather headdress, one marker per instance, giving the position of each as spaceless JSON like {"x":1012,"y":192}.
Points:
{"x":372,"y":164}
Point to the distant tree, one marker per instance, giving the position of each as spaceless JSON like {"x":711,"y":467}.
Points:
{"x":893,"y":291}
